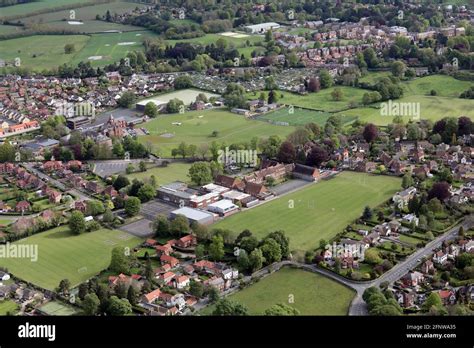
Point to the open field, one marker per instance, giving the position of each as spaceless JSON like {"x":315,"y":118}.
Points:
{"x":432,"y":108}
{"x":373,"y":76}
{"x":313,"y":294}
{"x":186,"y":95}
{"x":62,"y":255}
{"x":323,"y":100}
{"x":103,"y":49}
{"x":61,"y":19}
{"x":164,"y":175}
{"x":8,"y":306}
{"x":299,"y":117}
{"x":197,"y":126}
{"x":319,"y":211}
{"x":41,"y":51}
{"x":445,"y":86}
{"x":30,"y":7}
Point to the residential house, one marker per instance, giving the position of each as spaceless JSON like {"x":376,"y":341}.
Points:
{"x":187,"y":241}
{"x":22,"y":206}
{"x":401,"y":198}
{"x":169,"y":259}
{"x":427,"y":267}
{"x":413,"y":279}
{"x":448,"y":297}
{"x":440,"y":257}
{"x":181,"y":282}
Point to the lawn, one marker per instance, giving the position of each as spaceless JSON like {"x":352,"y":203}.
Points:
{"x":312,"y":294}
{"x":323,"y":100}
{"x":8,"y":306}
{"x":316,"y":212}
{"x":409,"y":239}
{"x":432,"y":108}
{"x":197,"y":126}
{"x":62,"y":255}
{"x":40,"y":52}
{"x":373,"y":76}
{"x":164,"y":175}
{"x":299,"y":117}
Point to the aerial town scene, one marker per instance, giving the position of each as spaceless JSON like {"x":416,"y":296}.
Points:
{"x":236,"y":158}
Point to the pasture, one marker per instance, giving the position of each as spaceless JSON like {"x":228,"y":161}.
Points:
{"x":431,"y":108}
{"x":40,"y":52}
{"x":323,"y":100}
{"x":445,"y":86}
{"x":39,"y":5}
{"x":197,"y":128}
{"x":299,"y":117}
{"x":186,"y":95}
{"x":62,"y":255}
{"x":318,"y":211}
{"x":310,"y":293}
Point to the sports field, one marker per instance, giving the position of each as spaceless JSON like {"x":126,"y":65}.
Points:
{"x":164,"y":175}
{"x":323,"y":100}
{"x":316,"y":212}
{"x":197,"y":126}
{"x":310,"y":293}
{"x":62,"y":255}
{"x":299,"y":117}
{"x":431,"y":108}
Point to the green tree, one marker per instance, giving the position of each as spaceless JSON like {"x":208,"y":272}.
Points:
{"x":433,"y":300}
{"x":161,"y":226}
{"x":119,"y":307}
{"x":146,"y":193}
{"x":132,"y":206}
{"x":226,"y":307}
{"x":325,"y":79}
{"x":216,"y":248}
{"x":91,"y":304}
{"x":367,"y":214}
{"x":179,"y":225}
{"x":281,"y":309}
{"x":407,"y":180}
{"x":77,"y":223}
{"x":132,"y":295}
{"x":151,"y":110}
{"x":127,"y":99}
{"x":196,"y":289}
{"x":69,"y":48}
{"x":200,"y":173}
{"x":119,"y":262}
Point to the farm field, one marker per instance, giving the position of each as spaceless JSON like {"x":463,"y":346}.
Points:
{"x":319,"y":211}
{"x":431,"y":108}
{"x":40,"y":52}
{"x":30,"y":7}
{"x":165,"y":175}
{"x":197,"y":126}
{"x":313,"y":294}
{"x":63,"y":255}
{"x":322,"y":100}
{"x":373,"y":76}
{"x":8,"y":306}
{"x":300,"y":117}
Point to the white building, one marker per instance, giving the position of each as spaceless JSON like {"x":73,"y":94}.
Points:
{"x":262,"y":27}
{"x":222,"y":207}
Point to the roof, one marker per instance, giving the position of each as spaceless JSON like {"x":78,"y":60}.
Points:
{"x":222,"y":204}
{"x":193,"y":214}
{"x":235,"y":195}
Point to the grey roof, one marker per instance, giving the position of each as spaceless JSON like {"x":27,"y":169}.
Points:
{"x":193,"y":214}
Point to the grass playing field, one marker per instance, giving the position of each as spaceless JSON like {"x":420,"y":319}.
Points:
{"x":62,"y":255}
{"x":445,"y":86}
{"x":316,"y":212}
{"x":197,"y":126}
{"x":299,"y":117}
{"x":323,"y":100}
{"x":432,"y":108}
{"x":312,"y":294}
{"x":165,"y":175}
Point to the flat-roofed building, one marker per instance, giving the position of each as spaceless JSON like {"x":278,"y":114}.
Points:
{"x":262,"y":27}
{"x":193,"y":215}
{"x":223,"y":207}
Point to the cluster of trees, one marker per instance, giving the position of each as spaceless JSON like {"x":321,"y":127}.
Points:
{"x":381,"y":303}
{"x":449,"y":128}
